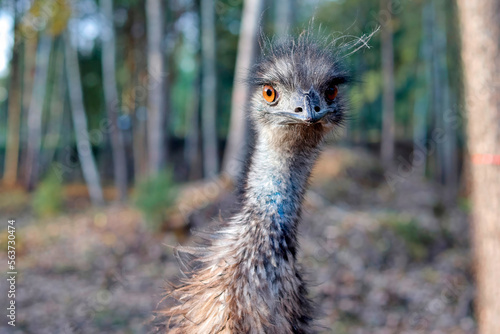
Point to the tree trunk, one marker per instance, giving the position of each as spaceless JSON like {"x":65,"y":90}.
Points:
{"x":236,"y":146}
{"x":56,"y":107}
{"x":28,"y":74}
{"x":156,"y":84}
{"x":36,"y":109}
{"x":14,"y":115}
{"x":192,"y":146}
{"x":139,"y":125}
{"x":137,"y":96}
{"x":83,"y":145}
{"x":209,"y":89}
{"x":480,"y":53}
{"x":112,"y":102}
{"x":446,"y":148}
{"x":388,"y":105}
{"x":422,"y":102}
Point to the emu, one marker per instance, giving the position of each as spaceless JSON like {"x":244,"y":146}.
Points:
{"x":247,"y":279}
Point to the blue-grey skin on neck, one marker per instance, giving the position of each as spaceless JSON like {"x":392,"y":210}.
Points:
{"x":276,"y":183}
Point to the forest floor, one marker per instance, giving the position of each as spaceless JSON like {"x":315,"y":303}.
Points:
{"x":380,"y":258}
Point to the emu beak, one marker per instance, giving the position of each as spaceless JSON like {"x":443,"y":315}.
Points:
{"x":307,"y":108}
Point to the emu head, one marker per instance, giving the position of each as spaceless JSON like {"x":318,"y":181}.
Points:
{"x":297,"y":86}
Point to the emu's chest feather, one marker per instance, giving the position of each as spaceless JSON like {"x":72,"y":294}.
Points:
{"x":245,"y":287}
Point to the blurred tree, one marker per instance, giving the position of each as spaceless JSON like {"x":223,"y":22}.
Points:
{"x":134,"y":93}
{"x":140,"y":121}
{"x":389,"y":95}
{"x":157,"y":150}
{"x":44,"y":20}
{"x":237,"y":141}
{"x":141,"y":80}
{"x":35,"y":110}
{"x":446,"y":171}
{"x":83,"y":145}
{"x":30,"y":42}
{"x":14,"y":110}
{"x":112,"y":101}
{"x":480,"y":52}
{"x":422,"y":102}
{"x":209,"y":89}
{"x":192,"y":147}
{"x":56,"y":106}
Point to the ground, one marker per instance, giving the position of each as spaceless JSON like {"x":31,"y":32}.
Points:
{"x":381,"y":257}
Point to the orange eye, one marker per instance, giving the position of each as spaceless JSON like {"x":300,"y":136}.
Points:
{"x":331,"y":93}
{"x":269,"y":93}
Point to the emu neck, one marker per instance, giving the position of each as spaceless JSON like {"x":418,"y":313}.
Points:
{"x":276,"y":183}
{"x":250,"y":282}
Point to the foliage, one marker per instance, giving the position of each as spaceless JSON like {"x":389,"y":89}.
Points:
{"x":56,"y":14}
{"x":153,"y":196}
{"x":465,"y":204}
{"x":48,"y":198}
{"x":416,"y":238}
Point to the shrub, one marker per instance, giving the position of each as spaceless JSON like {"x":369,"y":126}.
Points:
{"x":153,"y":196}
{"x":416,"y":238}
{"x":48,"y":198}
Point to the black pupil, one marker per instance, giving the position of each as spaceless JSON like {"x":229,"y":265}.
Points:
{"x":269,"y":92}
{"x":330,"y":92}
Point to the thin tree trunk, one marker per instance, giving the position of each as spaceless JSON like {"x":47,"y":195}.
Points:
{"x":437,"y":93}
{"x":209,"y":89}
{"x":192,"y":147}
{"x":156,"y":84}
{"x":14,"y":115}
{"x":236,"y":147}
{"x":480,"y":53}
{"x":36,"y":109}
{"x":56,"y":108}
{"x":112,"y":102}
{"x":83,"y":145}
{"x":28,"y":68}
{"x":139,"y":127}
{"x":388,"y":106}
{"x":423,"y":100}
{"x":136,"y":99}
{"x":450,"y":159}
{"x":447,"y":159}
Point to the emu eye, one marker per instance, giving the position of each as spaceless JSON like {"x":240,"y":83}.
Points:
{"x":331,"y":93}
{"x":269,"y":93}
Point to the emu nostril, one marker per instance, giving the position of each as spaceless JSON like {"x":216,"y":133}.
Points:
{"x":299,"y":109}
{"x":316,"y":108}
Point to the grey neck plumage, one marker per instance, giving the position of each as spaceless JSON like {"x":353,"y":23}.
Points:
{"x":276,"y":184}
